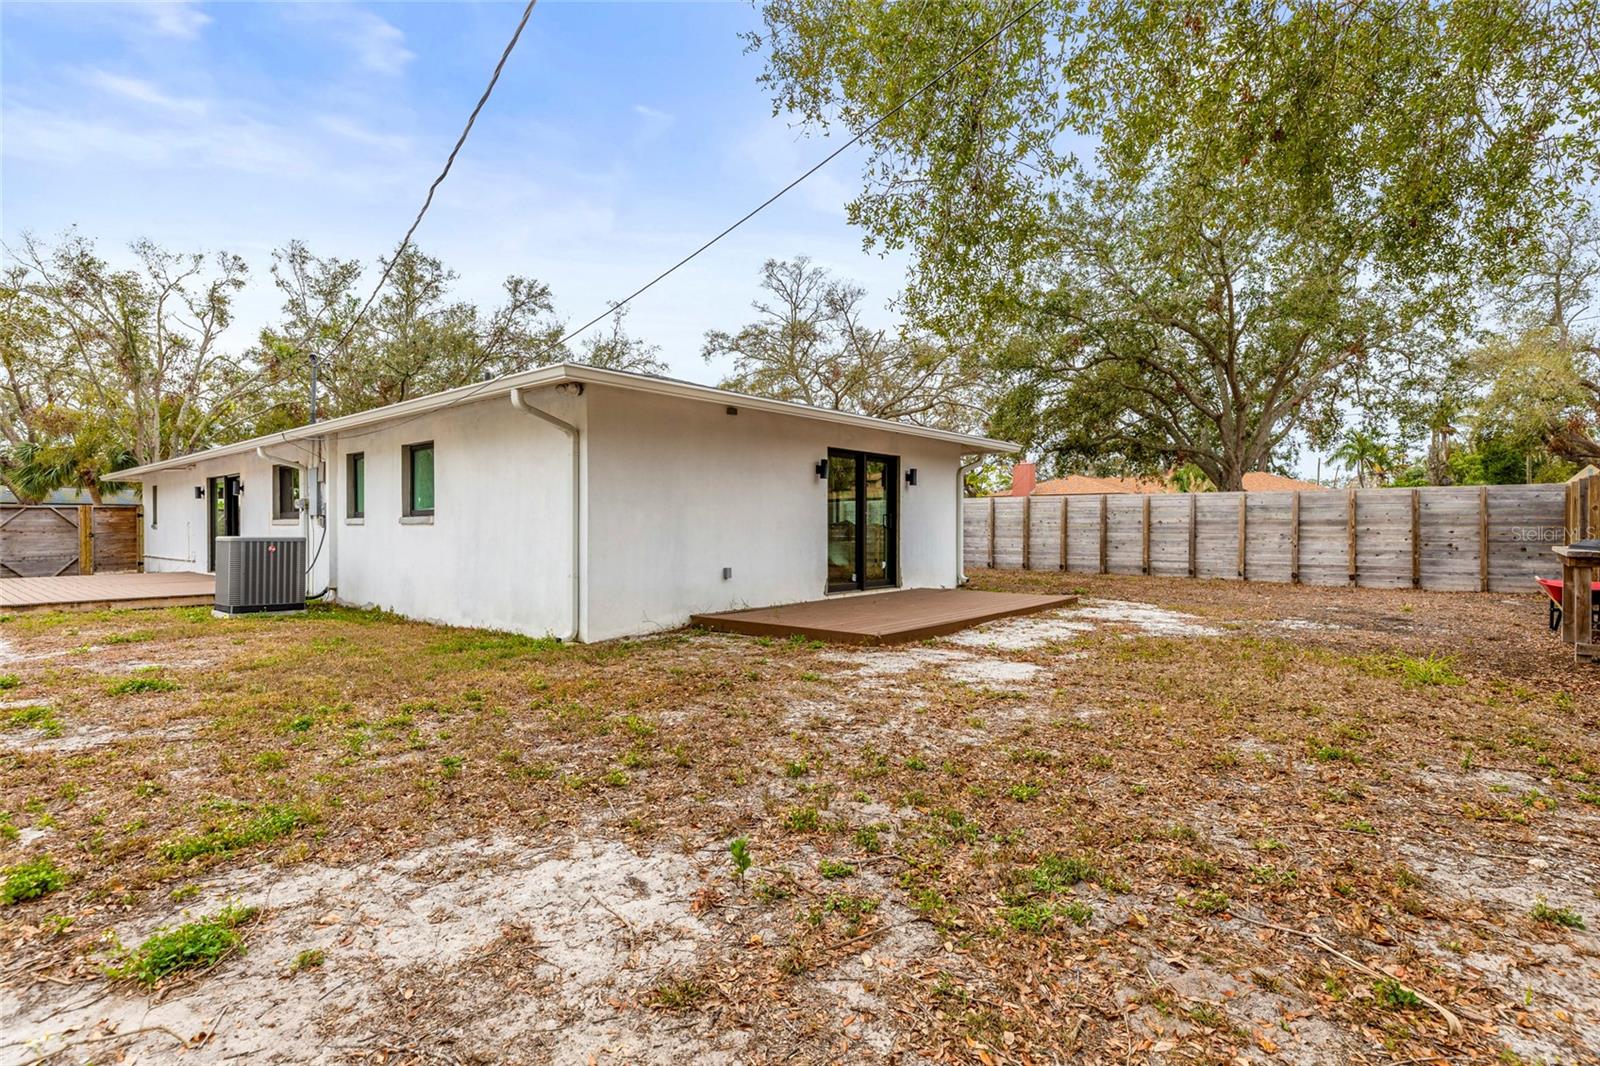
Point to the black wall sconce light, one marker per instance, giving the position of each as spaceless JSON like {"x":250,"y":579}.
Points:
{"x":822,"y":469}
{"x":911,"y":476}
{"x":199,"y":492}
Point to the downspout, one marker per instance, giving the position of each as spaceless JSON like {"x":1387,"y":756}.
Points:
{"x":577,"y":487}
{"x":310,"y":483}
{"x":961,"y":518}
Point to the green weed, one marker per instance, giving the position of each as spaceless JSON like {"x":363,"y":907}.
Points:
{"x":192,"y":946}
{"x":31,"y":880}
{"x":1565,"y":917}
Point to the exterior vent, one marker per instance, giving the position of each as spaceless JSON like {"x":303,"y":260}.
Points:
{"x":260,"y":574}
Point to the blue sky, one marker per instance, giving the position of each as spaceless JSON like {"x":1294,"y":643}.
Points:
{"x":620,"y":136}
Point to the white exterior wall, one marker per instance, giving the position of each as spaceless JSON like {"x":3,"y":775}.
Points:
{"x":498,"y":550}
{"x":673,"y":490}
{"x":176,"y":527}
{"x":678,"y":489}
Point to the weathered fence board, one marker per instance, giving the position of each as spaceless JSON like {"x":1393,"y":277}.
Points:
{"x":53,"y":540}
{"x":1494,"y":537}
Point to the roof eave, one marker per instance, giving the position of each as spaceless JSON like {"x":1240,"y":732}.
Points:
{"x":554,"y":375}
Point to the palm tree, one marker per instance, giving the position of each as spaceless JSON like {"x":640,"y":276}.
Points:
{"x":83,"y":456}
{"x":1367,"y":454}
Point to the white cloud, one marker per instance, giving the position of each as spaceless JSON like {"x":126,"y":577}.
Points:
{"x":143,"y":92}
{"x":377,"y":44}
{"x":181,"y":19}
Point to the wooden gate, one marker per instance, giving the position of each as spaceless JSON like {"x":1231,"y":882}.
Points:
{"x":47,"y":540}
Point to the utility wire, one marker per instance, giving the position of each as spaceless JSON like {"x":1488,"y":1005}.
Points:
{"x":448,"y":163}
{"x":555,"y":345}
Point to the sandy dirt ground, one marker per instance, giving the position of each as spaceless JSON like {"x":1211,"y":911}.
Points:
{"x":1181,"y":822}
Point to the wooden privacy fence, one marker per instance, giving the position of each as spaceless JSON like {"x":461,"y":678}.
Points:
{"x":1480,"y":537}
{"x":50,"y":540}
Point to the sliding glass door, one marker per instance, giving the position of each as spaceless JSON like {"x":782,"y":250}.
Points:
{"x":861,"y":518}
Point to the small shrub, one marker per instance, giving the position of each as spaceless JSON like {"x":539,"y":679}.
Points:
{"x":31,"y":880}
{"x":9,"y":681}
{"x":834,"y":870}
{"x":739,"y":853}
{"x":192,"y":946}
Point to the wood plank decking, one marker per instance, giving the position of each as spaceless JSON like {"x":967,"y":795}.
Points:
{"x":95,"y":591}
{"x":881,"y":618}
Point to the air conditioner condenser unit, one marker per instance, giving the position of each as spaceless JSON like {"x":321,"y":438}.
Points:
{"x":256,"y":574}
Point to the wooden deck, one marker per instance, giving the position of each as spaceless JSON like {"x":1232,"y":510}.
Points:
{"x":96,"y":591}
{"x":882,"y":618}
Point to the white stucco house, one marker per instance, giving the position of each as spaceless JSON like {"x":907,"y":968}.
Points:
{"x":580,"y":503}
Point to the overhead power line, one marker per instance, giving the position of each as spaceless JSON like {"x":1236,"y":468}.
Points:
{"x":427,"y":202}
{"x":855,"y":139}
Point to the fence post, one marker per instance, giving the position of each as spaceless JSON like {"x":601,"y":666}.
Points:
{"x":1064,"y":526}
{"x":1350,"y":534}
{"x":991,"y":532}
{"x":1483,"y":538}
{"x":1591,"y":486}
{"x":85,"y":538}
{"x":1416,"y":538}
{"x":1194,"y":533}
{"x":1294,"y":538}
{"x":1027,"y":532}
{"x":1103,"y":556}
{"x":1243,"y":532}
{"x":1146,"y":565}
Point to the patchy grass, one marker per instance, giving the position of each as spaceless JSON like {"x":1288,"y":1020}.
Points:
{"x":197,"y":945}
{"x":139,"y":683}
{"x":236,"y":832}
{"x":1092,"y":844}
{"x":37,"y":716}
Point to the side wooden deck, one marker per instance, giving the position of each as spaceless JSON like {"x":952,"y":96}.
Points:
{"x":881,"y":618}
{"x":99,"y":591}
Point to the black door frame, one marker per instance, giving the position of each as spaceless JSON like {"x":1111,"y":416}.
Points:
{"x":891,"y":464}
{"x":230,"y":512}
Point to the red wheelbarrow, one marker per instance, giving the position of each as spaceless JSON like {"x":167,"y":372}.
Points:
{"x":1553,"y":587}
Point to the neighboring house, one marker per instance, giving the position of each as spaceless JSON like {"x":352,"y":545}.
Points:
{"x":580,"y":502}
{"x":1024,"y":482}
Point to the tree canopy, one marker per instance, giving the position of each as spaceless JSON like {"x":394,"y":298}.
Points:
{"x":1195,"y":231}
{"x":811,"y":343}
